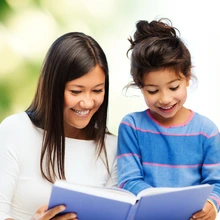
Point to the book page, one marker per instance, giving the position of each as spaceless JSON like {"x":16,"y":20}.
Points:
{"x":105,"y":192}
{"x":160,"y":190}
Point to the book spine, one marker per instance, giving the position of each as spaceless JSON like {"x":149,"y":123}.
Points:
{"x":132,"y":211}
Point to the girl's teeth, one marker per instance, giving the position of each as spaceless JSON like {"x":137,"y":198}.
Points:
{"x":166,"y":108}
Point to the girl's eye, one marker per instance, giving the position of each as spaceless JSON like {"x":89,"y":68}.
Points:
{"x":75,"y":92}
{"x":98,"y":90}
{"x":152,"y":92}
{"x":174,"y":88}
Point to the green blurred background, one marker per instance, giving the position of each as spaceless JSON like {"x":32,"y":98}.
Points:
{"x":28,"y":28}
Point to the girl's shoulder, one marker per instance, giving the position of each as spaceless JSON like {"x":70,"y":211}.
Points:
{"x":137,"y":120}
{"x":204,"y":124}
{"x":203,"y":120}
{"x":136,"y":116}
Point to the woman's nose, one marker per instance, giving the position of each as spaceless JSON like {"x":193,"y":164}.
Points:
{"x":87,"y":102}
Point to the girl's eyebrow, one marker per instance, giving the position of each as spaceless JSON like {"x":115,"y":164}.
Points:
{"x":167,"y":83}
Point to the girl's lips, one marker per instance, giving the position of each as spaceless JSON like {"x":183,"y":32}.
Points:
{"x":167,"y":108}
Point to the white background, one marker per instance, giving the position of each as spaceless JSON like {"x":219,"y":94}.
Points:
{"x":199,"y":24}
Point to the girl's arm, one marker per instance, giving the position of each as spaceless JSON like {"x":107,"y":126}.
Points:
{"x":211,"y":167}
{"x":130,"y":172}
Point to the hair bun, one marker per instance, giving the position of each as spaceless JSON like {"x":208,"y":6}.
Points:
{"x":161,"y":29}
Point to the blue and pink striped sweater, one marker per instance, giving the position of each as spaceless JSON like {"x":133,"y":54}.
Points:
{"x":151,"y":155}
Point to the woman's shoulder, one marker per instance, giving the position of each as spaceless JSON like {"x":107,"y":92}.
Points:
{"x":15,"y":121}
{"x":111,"y":144}
{"x":111,"y":139}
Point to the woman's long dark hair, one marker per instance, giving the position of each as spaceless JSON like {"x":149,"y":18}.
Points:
{"x":69,"y":57}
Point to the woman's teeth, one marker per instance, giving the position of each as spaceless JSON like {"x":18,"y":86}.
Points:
{"x":81,"y":112}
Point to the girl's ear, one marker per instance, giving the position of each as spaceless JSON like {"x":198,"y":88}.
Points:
{"x":188,"y":78}
{"x":187,"y":81}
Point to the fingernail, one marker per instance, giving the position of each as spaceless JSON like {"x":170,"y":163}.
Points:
{"x":63,"y":207}
{"x":73,"y":215}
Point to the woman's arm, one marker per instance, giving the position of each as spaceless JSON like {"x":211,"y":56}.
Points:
{"x":9,"y":170}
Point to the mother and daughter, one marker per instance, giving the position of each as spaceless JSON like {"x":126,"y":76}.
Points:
{"x":63,"y":133}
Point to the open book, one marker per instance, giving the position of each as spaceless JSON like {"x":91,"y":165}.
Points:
{"x":91,"y":202}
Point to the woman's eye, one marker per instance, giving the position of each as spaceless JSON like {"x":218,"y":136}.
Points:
{"x":152,"y":92}
{"x":75,"y":92}
{"x":98,"y":90}
{"x":174,"y":88}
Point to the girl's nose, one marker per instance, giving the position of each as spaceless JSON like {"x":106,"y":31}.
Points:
{"x":165,"y":99}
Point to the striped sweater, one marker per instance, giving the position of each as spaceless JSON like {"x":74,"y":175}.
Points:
{"x":151,"y":155}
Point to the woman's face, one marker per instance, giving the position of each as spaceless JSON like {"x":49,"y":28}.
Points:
{"x":82,"y":98}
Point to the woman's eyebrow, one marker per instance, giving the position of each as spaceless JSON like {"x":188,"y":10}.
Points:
{"x":81,"y":86}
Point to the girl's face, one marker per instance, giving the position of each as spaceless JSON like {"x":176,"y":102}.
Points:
{"x":82,"y":98}
{"x":165,"y":93}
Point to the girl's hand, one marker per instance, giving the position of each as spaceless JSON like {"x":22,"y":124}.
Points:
{"x":207,"y":213}
{"x":43,"y":214}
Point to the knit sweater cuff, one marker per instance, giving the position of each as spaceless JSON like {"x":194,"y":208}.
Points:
{"x":213,"y":204}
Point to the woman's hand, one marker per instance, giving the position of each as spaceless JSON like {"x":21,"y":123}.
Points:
{"x":43,"y":214}
{"x":207,"y":213}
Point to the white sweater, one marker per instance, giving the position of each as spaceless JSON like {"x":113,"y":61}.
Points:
{"x":22,"y":188}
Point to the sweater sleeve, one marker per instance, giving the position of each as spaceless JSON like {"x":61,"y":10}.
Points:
{"x":130,"y":171}
{"x":211,"y":167}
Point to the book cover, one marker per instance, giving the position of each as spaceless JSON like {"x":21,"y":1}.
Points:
{"x":173,"y":205}
{"x":116,"y":204}
{"x":91,"y":202}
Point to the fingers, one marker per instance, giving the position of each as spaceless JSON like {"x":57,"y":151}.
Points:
{"x":67,"y":216}
{"x":54,"y":211}
{"x":42,"y":209}
{"x":44,"y":214}
{"x":207,"y":213}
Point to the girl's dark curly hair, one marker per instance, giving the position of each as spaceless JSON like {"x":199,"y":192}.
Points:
{"x":156,"y":45}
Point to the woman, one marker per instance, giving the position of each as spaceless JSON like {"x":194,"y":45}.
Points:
{"x":62,"y":134}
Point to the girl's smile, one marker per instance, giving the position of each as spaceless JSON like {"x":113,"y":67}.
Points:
{"x":165,"y":93}
{"x":167,"y":109}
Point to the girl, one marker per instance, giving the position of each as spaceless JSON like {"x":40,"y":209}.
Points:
{"x":62,"y":134}
{"x":166,"y":145}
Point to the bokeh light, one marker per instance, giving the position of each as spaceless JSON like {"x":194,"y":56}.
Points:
{"x":28,"y":28}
